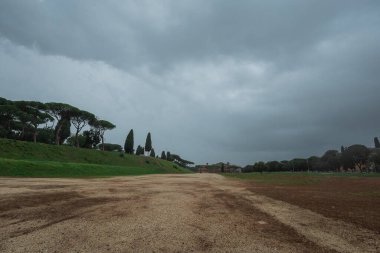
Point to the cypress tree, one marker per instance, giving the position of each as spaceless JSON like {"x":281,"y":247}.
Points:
{"x":139,"y":150}
{"x":163,"y":155}
{"x":152,"y":153}
{"x":148,"y":143}
{"x":168,"y":156}
{"x":341,"y":149}
{"x":142,"y":150}
{"x":128,"y":146}
{"x":377,"y":143}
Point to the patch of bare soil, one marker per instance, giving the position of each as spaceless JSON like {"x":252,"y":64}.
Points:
{"x":156,"y":213}
{"x":354,"y":200}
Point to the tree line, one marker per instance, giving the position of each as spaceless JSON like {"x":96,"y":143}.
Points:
{"x":149,"y":150}
{"x":51,"y":123}
{"x":353,"y":158}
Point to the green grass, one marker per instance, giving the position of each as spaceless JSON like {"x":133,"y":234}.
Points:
{"x":27,"y":159}
{"x":293,"y":178}
{"x":25,"y":168}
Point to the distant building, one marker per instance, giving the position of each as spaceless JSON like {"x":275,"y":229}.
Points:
{"x":202,"y":169}
{"x":238,"y":170}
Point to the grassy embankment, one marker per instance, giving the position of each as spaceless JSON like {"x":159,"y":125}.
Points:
{"x":27,"y":159}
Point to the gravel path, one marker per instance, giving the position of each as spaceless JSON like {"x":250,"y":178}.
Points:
{"x":163,"y":213}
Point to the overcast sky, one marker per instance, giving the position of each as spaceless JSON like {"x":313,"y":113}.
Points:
{"x":233,"y":81}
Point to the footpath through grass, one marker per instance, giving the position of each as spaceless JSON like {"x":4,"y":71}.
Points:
{"x":27,"y":159}
{"x":294,"y":178}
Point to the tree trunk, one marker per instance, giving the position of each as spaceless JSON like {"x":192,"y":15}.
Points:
{"x":35,"y":134}
{"x":9,"y":129}
{"x":76,"y":139}
{"x":57,"y":134}
{"x":102,"y":142}
{"x":22,"y":133}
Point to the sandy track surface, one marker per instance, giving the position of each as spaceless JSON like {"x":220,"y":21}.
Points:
{"x":163,"y":213}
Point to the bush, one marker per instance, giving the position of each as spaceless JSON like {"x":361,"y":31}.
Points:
{"x":110,"y":147}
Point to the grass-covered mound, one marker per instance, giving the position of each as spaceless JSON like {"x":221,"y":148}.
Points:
{"x":18,"y":158}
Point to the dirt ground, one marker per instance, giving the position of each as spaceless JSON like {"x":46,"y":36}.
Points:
{"x":354,"y":200}
{"x":165,"y":213}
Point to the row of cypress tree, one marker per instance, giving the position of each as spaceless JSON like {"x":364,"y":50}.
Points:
{"x":141,"y":150}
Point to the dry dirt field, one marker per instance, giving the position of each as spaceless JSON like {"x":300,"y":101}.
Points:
{"x":351,"y":199}
{"x":167,"y":213}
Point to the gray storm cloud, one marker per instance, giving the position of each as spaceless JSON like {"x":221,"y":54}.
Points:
{"x":236,"y":81}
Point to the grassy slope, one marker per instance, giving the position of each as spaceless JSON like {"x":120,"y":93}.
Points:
{"x":41,"y":160}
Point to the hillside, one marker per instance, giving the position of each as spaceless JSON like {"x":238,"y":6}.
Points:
{"x":19,"y":158}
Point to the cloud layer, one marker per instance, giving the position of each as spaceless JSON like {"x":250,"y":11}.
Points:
{"x":236,"y":81}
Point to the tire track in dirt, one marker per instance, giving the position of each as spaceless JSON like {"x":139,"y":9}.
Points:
{"x":160,"y":213}
{"x":327,"y":232}
{"x":241,"y":227}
